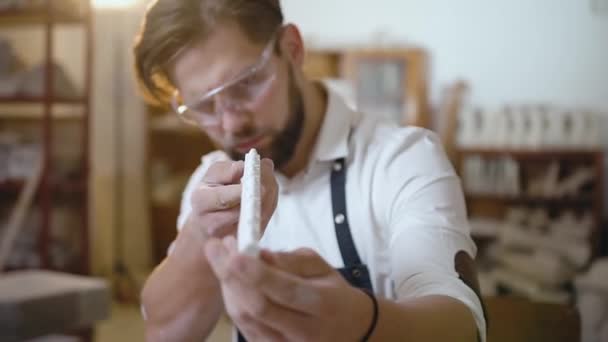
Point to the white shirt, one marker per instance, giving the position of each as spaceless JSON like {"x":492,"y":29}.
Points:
{"x":404,"y":204}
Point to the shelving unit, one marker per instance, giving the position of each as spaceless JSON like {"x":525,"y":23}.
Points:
{"x":48,"y":17}
{"x":494,"y":205}
{"x":359,"y":65}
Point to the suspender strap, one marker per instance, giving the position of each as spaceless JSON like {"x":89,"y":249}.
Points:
{"x":338,"y":202}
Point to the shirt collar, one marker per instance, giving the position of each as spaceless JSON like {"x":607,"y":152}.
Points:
{"x":333,"y":138}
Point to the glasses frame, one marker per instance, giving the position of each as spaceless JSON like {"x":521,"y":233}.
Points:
{"x":181,"y":109}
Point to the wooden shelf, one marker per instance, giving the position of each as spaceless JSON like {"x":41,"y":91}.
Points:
{"x":66,"y":187}
{"x":38,"y":17}
{"x":47,"y":17}
{"x":68,"y":116}
{"x":40,"y":100}
{"x":537,"y":154}
{"x":585,"y":200}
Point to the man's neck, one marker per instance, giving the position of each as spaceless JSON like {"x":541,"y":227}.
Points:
{"x":315,"y":105}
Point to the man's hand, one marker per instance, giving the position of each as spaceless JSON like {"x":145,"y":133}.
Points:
{"x":182,"y":298}
{"x":287,"y":296}
{"x":216,"y":202}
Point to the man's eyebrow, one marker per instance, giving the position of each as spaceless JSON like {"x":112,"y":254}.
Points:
{"x":245,"y":70}
{"x":197,"y":95}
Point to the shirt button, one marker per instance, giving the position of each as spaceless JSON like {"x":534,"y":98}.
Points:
{"x":337,"y":167}
{"x":339,"y":219}
{"x":356,"y":273}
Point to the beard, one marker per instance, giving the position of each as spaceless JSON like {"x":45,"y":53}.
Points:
{"x":284,"y":143}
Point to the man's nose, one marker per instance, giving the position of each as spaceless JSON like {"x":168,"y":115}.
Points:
{"x":234,"y":119}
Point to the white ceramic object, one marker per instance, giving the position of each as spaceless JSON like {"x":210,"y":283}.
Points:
{"x":468,"y":127}
{"x":572,"y":185}
{"x":592,"y":289}
{"x":249,"y":228}
{"x":535,"y":118}
{"x":520,"y":284}
{"x":576,"y":253}
{"x":593,"y":129}
{"x":517,"y":137}
{"x":546,"y":268}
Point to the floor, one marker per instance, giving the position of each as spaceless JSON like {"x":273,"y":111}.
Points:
{"x":126,"y":325}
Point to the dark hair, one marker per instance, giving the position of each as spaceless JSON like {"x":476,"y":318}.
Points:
{"x":169,"y":26}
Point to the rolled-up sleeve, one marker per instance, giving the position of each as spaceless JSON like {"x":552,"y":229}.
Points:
{"x":426,"y":214}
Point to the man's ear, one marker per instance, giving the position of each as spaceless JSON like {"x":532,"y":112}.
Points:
{"x":292,"y":44}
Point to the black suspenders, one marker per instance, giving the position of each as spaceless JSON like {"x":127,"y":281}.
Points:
{"x":354,"y":271}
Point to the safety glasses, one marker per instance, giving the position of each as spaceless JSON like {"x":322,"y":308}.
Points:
{"x":240,"y":93}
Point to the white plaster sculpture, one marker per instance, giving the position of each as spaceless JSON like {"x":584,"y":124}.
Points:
{"x":592,"y":291}
{"x":535,"y":118}
{"x":575,"y":252}
{"x":571,"y":186}
{"x":249,"y":230}
{"x":519,"y":129}
{"x":594,"y":125}
{"x":568,"y":227}
{"x":522,"y":285}
{"x":467,"y":127}
{"x":546,"y":268}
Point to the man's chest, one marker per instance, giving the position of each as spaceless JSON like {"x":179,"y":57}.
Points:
{"x":304,"y":218}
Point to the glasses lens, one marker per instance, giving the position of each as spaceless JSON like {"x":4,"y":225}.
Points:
{"x":198,"y":114}
{"x":251,"y":87}
{"x":244,"y":91}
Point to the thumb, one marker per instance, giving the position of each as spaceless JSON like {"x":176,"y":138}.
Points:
{"x":302,"y":262}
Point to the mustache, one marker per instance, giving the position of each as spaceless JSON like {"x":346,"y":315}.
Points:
{"x":244,"y":135}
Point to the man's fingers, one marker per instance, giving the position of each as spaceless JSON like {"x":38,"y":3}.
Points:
{"x":303,"y":262}
{"x":280,"y":287}
{"x":224,"y":173}
{"x":268,"y":318}
{"x":213,"y":198}
{"x":257,"y":316}
{"x":222,"y":223}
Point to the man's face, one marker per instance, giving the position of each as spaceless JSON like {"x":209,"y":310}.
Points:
{"x":270,"y":122}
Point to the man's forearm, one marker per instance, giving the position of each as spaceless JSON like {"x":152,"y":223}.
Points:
{"x":181,"y":298}
{"x":429,"y":319}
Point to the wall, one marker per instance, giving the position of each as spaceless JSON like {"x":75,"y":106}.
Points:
{"x":114,"y":92}
{"x":514,"y":51}
{"x":510,"y":51}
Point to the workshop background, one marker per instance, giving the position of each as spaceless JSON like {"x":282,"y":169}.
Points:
{"x":517,"y":91}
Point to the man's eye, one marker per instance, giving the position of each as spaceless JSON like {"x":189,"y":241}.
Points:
{"x":204,"y":107}
{"x":252,"y":79}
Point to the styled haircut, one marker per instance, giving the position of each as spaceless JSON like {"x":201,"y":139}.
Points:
{"x":170,"y":26}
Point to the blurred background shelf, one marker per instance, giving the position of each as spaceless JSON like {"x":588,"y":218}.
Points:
{"x":65,"y":187}
{"x":54,"y":122}
{"x":542,"y":154}
{"x":583,"y":200}
{"x":40,"y":100}
{"x":61,"y":13}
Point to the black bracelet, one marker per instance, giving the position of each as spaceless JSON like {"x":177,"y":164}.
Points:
{"x":372,"y":326}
